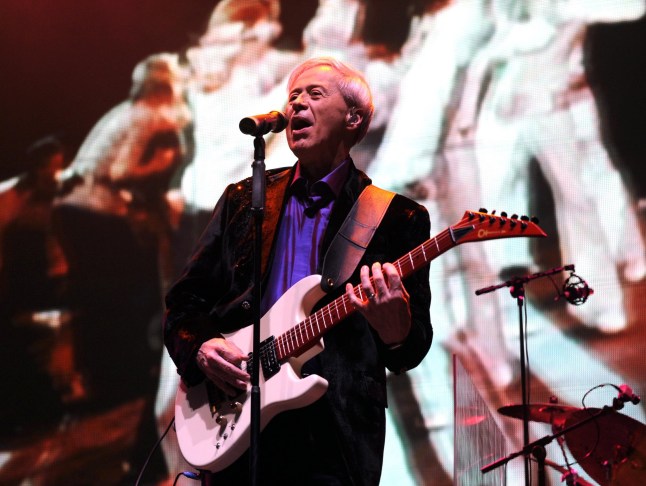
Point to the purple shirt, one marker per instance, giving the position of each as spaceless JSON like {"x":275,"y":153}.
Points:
{"x":301,"y":231}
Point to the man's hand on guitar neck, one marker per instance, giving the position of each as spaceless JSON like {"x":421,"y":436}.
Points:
{"x":220,"y":361}
{"x":386,"y":306}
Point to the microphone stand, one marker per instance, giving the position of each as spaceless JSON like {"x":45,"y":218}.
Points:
{"x":257,"y":208}
{"x":517,"y":290}
{"x":537,"y":448}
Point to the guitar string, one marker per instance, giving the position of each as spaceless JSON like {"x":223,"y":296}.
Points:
{"x":290,"y":337}
{"x":288,"y":341}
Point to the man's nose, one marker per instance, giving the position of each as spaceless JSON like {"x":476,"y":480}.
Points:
{"x":299,"y":103}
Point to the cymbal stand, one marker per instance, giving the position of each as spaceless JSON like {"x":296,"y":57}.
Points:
{"x":537,"y":448}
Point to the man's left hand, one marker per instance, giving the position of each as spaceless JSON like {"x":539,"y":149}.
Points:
{"x":385,"y":304}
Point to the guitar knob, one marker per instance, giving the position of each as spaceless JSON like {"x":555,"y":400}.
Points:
{"x":236,"y":406}
{"x":221,"y":420}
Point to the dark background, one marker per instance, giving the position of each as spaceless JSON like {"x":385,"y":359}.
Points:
{"x":65,"y":63}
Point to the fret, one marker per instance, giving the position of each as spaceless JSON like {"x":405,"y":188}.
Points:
{"x":412,"y":264}
{"x":285,"y":345}
{"x":281,"y":350}
{"x":312,"y":331}
{"x":323,"y":318}
{"x":424,"y":253}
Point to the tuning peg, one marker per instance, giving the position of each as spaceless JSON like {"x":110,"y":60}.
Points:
{"x":503,"y":214}
{"x":492,"y":219}
{"x":514,"y":216}
{"x":482,"y":210}
{"x":534,"y":220}
{"x":493,"y":212}
{"x":524,"y":220}
{"x":471,"y":215}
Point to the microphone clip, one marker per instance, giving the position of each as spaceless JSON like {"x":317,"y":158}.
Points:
{"x":576,"y":290}
{"x":626,"y":395}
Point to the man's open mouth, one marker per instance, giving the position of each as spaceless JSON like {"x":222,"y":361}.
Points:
{"x":299,"y":124}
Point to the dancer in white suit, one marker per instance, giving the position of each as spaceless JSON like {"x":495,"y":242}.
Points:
{"x":538,"y":105}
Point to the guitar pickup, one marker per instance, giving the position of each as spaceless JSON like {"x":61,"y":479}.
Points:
{"x":268,"y":359}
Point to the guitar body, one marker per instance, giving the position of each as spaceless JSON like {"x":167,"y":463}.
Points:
{"x":213,"y":430}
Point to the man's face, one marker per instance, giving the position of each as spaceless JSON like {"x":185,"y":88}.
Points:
{"x":317,"y":115}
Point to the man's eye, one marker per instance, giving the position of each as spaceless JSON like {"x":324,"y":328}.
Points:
{"x":315,"y":93}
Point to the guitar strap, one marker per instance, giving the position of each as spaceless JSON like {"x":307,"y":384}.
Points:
{"x":350,"y":243}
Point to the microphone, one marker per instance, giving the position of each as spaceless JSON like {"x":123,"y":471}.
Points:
{"x":257,"y":125}
{"x":576,"y":290}
{"x":625,"y":395}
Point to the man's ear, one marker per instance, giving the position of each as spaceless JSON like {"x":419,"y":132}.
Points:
{"x":354,"y":118}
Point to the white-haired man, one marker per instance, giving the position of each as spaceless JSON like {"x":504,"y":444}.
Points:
{"x":339,"y":438}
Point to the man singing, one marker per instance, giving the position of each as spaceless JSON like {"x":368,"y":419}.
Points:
{"x":339,"y":439}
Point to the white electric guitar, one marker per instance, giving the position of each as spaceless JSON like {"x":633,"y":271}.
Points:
{"x":214,"y":430}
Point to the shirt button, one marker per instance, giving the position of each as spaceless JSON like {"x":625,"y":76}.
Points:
{"x":246,"y":305}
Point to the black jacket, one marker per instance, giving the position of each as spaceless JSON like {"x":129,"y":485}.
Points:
{"x":214,"y":294}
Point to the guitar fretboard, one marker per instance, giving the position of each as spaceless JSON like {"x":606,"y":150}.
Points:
{"x":307,"y":332}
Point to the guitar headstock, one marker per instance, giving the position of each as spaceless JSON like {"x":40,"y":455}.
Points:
{"x":481,"y":226}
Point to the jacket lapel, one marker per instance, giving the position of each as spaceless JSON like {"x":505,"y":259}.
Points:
{"x":276,"y":191}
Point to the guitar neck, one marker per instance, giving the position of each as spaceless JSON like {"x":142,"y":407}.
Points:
{"x":307,"y":333}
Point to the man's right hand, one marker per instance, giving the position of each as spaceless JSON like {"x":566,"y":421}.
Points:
{"x":220,"y":361}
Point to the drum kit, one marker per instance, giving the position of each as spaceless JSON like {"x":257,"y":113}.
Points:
{"x":609,"y":446}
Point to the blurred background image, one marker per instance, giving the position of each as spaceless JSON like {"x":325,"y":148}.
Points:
{"x":120,"y":132}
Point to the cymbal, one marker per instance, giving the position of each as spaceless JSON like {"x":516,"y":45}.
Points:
{"x":548,"y":413}
{"x":611,"y":449}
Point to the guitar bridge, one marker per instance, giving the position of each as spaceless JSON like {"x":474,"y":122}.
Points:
{"x":268,"y":359}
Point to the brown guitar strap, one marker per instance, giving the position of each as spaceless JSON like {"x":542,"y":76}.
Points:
{"x":350,"y":243}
